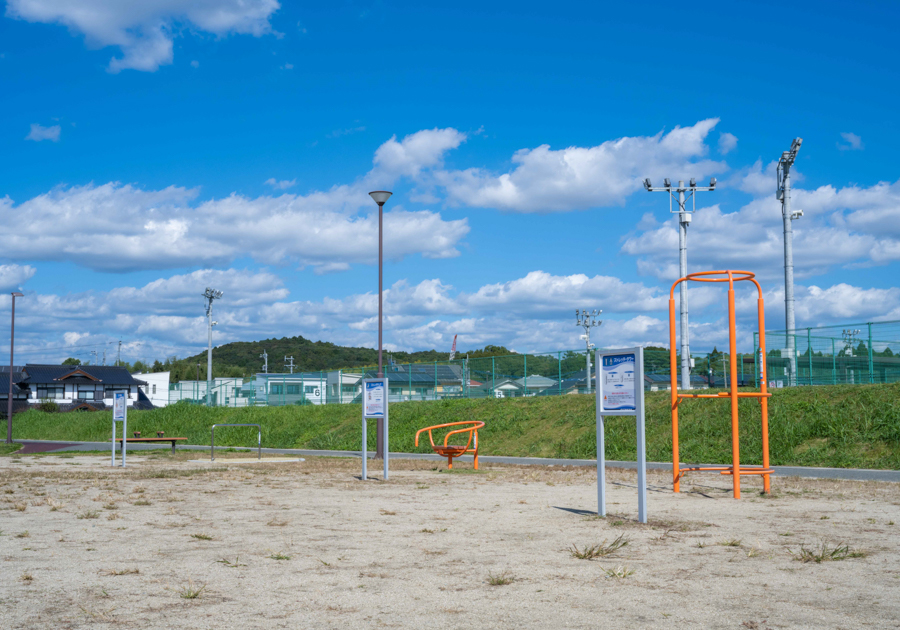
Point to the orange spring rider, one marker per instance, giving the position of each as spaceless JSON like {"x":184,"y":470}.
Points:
{"x":736,"y":470}
{"x":448,"y":450}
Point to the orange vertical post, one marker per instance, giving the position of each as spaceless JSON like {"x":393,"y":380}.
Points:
{"x":763,"y":401}
{"x":735,"y":430}
{"x":674,"y":391}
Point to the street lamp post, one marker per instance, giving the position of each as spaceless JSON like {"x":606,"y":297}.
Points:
{"x":380,"y":197}
{"x":9,"y":397}
{"x":783,"y":192}
{"x":587,"y":320}
{"x":210,"y":295}
{"x":684,"y":219}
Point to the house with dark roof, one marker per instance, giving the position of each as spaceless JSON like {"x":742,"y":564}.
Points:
{"x":73,"y":387}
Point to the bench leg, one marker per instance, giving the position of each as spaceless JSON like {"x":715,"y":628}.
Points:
{"x":173,"y":447}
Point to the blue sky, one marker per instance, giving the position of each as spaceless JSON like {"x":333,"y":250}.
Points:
{"x":154,"y":149}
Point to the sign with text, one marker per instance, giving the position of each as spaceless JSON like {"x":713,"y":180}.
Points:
{"x":373,"y":399}
{"x":120,"y":404}
{"x":617,"y":380}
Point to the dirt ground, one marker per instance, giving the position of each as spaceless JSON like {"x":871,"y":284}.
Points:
{"x":167,"y":543}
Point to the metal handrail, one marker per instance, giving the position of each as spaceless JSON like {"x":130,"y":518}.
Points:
{"x":212,"y":440}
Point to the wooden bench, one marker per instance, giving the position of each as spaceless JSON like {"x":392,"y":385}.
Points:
{"x":173,"y":440}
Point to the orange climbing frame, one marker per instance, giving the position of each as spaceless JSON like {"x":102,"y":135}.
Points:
{"x":448,"y":450}
{"x":735,"y":469}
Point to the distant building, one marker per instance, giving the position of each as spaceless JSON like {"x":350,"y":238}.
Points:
{"x":157,"y":387}
{"x":74,"y":387}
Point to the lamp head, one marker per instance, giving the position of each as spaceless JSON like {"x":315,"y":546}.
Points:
{"x":693,"y":182}
{"x":712,"y":183}
{"x":17,"y":294}
{"x":667,"y":182}
{"x":380,"y":196}
{"x":647,"y":184}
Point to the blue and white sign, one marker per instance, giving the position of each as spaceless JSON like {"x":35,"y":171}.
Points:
{"x":120,"y":404}
{"x":374,"y":399}
{"x":620,"y":392}
{"x":617,"y":377}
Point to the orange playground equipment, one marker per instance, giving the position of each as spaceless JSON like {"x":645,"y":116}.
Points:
{"x":448,"y":450}
{"x":733,"y":394}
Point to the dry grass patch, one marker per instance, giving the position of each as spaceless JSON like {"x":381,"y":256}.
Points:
{"x":826,"y":553}
{"x":88,"y":514}
{"x":600,"y":550}
{"x":501,"y":579}
{"x":191,"y":591}
{"x":133,"y":571}
{"x":619,"y":573}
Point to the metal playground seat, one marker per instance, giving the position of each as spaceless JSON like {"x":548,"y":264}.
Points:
{"x":450,"y":451}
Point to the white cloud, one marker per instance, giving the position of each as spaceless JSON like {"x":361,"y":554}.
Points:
{"x":418,"y":151}
{"x":546,"y":180}
{"x":284,"y":184}
{"x":727,"y":143}
{"x":39,"y":132}
{"x":12,"y":277}
{"x":195,"y":64}
{"x":116,"y":227}
{"x":287,"y":66}
{"x":854,"y":142}
{"x":144,"y":30}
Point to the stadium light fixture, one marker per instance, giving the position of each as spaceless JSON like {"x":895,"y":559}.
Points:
{"x":210,"y":295}
{"x":587,"y":320}
{"x":684,"y":219}
{"x":9,"y":396}
{"x":783,"y":192}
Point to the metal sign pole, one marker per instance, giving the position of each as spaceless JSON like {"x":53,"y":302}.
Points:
{"x":620,"y":392}
{"x":375,"y":405}
{"x":120,"y":414}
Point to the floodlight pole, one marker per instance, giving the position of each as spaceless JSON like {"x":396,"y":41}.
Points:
{"x":684,"y":219}
{"x":587,"y":320}
{"x":783,"y":192}
{"x":210,"y":295}
{"x":9,"y":397}
{"x":380,"y":197}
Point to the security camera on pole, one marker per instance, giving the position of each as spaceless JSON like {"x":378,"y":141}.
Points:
{"x":783,"y":192}
{"x":587,"y":320}
{"x":684,"y":219}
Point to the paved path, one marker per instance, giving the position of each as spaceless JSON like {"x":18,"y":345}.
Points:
{"x":784,"y":471}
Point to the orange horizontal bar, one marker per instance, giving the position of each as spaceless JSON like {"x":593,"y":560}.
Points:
{"x":684,"y":468}
{"x":726,"y":395}
{"x":750,"y":471}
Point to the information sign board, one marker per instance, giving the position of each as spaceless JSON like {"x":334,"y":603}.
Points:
{"x":620,"y":392}
{"x":373,"y":400}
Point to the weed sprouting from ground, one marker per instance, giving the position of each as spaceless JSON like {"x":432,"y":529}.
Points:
{"x":826,"y":553}
{"x":501,"y":579}
{"x":190,"y":591}
{"x":88,"y":514}
{"x":279,"y":556}
{"x":24,"y":534}
{"x":202,"y":536}
{"x":133,"y":571}
{"x":26,"y":577}
{"x":619,"y":572}
{"x":600,"y":550}
{"x":730,"y":542}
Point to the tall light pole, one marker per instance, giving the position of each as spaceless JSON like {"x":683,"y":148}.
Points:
{"x":210,"y":295}
{"x":684,"y":219}
{"x":9,"y":397}
{"x":783,"y":192}
{"x":587,"y":320}
{"x":380,"y":197}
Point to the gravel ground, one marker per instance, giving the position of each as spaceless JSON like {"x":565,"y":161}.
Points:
{"x":167,"y":543}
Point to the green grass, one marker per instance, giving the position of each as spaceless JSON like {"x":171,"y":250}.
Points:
{"x":6,"y":449}
{"x":835,"y":426}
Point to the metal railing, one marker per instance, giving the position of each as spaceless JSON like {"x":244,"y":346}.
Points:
{"x":212,"y":439}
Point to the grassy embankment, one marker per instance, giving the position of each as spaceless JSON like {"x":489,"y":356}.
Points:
{"x":840,"y":426}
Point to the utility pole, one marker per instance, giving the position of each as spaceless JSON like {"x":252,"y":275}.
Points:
{"x":265,"y":357}
{"x":104,"y":356}
{"x":119,"y":354}
{"x":210,"y":295}
{"x":783,"y":192}
{"x":94,"y":354}
{"x":289,"y":363}
{"x":587,"y":320}
{"x":684,"y":219}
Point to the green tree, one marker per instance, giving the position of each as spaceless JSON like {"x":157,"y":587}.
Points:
{"x":72,"y":361}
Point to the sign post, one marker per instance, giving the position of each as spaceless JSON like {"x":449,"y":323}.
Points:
{"x":620,"y":392}
{"x":375,"y":405}
{"x":120,"y":414}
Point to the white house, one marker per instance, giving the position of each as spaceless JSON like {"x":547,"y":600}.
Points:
{"x":157,"y":387}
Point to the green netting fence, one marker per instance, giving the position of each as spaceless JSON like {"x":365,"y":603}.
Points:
{"x":848,"y":354}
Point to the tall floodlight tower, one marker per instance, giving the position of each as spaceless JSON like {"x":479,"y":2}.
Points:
{"x":684,"y":219}
{"x":210,"y":295}
{"x":587,"y":320}
{"x":783,"y":192}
